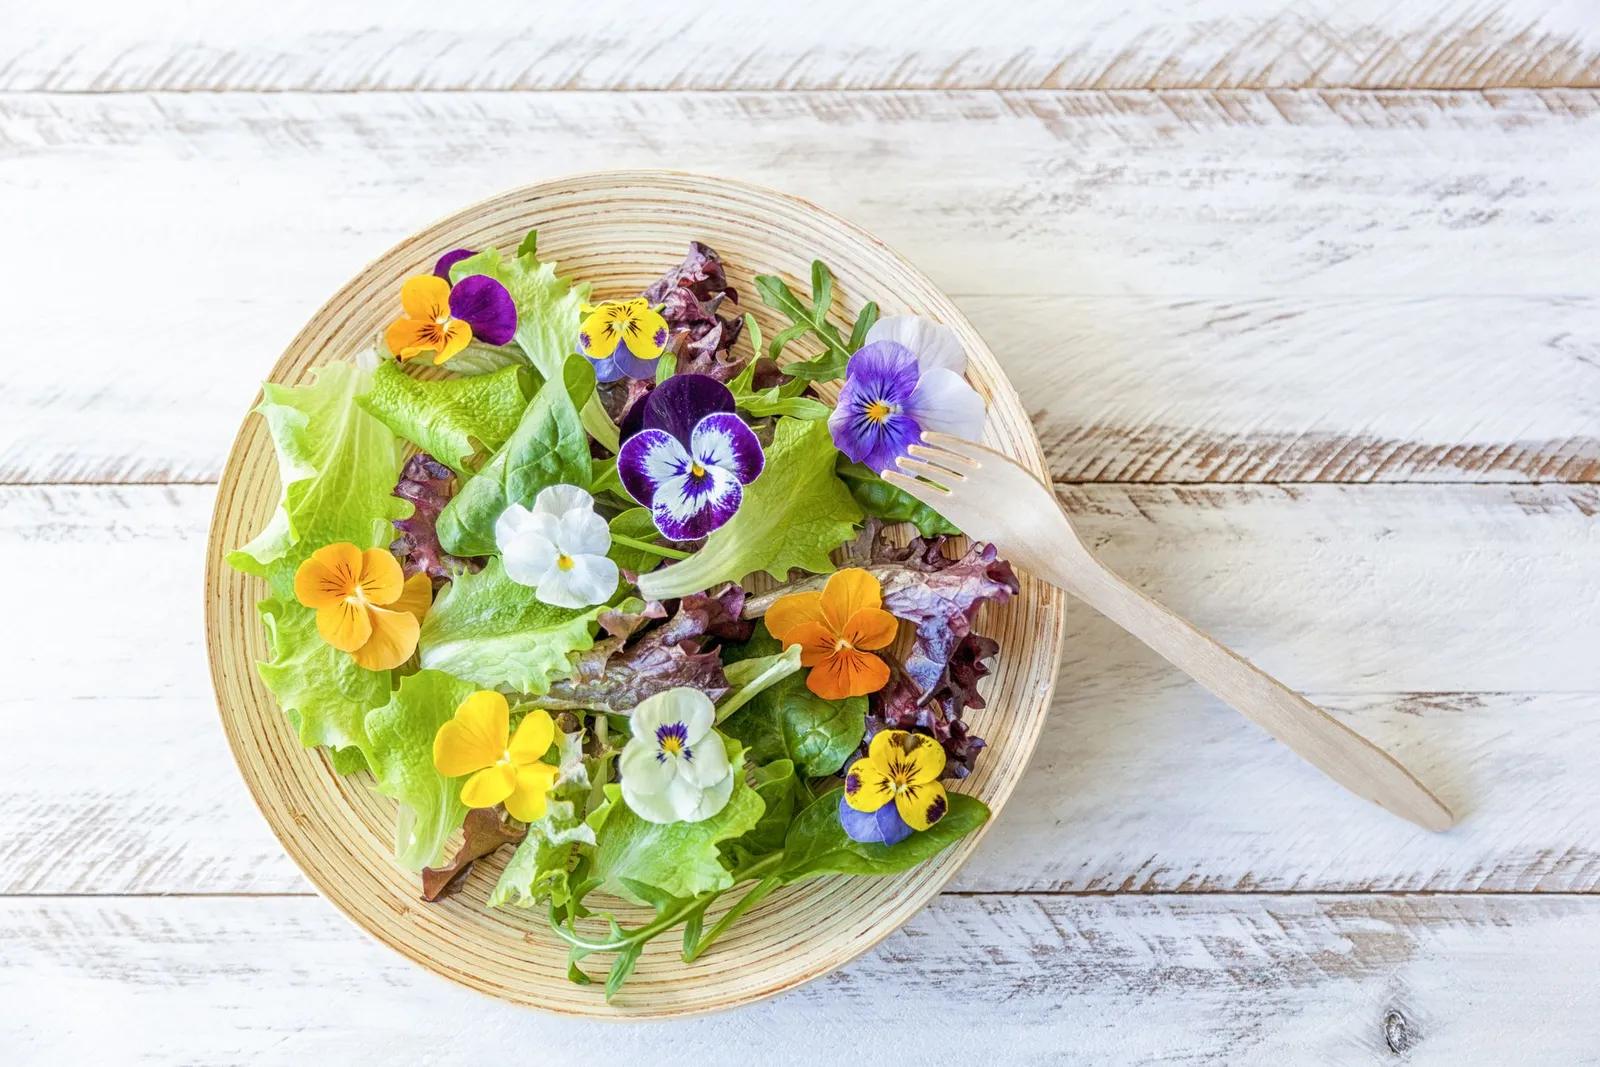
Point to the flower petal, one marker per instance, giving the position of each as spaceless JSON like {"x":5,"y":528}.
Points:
{"x":922,"y":805}
{"x":871,"y":423}
{"x":696,"y":804}
{"x":817,"y":641}
{"x":690,"y":507}
{"x":649,"y":458}
{"x":935,"y":344}
{"x":382,"y":578}
{"x":328,"y":576}
{"x":457,"y":334}
{"x":489,"y":786}
{"x":425,"y":297}
{"x":606,"y":370}
{"x":866,"y":786}
{"x":885,"y":743}
{"x":535,"y":734}
{"x":722,"y":440}
{"x":641,"y":764}
{"x":871,"y":628}
{"x":484,"y":304}
{"x":925,"y":758}
{"x":529,"y":800}
{"x":475,"y":738}
{"x":789,"y":612}
{"x":685,"y":705}
{"x":441,"y":268}
{"x":651,"y":805}
{"x":559,"y":499}
{"x":678,"y":404}
{"x":583,"y":533}
{"x":345,"y":625}
{"x":393,"y":640}
{"x":707,"y":763}
{"x":527,"y":555}
{"x":410,"y":337}
{"x":848,"y":592}
{"x":884,"y":826}
{"x":596,"y":338}
{"x":884,"y":371}
{"x":945,"y":403}
{"x":416,"y":597}
{"x":586,"y":581}
{"x":643,"y":368}
{"x":847,"y":673}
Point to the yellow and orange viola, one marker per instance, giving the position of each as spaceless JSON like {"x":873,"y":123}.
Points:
{"x":365,"y":604}
{"x":837,"y":630}
{"x":504,"y":767}
{"x":441,"y":318}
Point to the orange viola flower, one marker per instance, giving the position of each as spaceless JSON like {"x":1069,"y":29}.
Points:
{"x":427,"y":325}
{"x":837,"y":629}
{"x":364,"y":603}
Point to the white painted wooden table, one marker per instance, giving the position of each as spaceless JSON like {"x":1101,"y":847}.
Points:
{"x":1303,"y":297}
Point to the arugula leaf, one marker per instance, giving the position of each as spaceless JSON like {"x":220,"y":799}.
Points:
{"x":322,"y":691}
{"x":796,"y":513}
{"x":884,"y":501}
{"x":813,"y":319}
{"x":548,"y":447}
{"x":539,"y":869}
{"x":781,"y":399}
{"x":490,"y":630}
{"x":817,"y":844}
{"x":400,"y":750}
{"x":444,"y":418}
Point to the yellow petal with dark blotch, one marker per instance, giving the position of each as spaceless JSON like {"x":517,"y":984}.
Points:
{"x":922,"y":805}
{"x":866,"y":787}
{"x":924,"y":761}
{"x":426,"y":297}
{"x":885,"y":743}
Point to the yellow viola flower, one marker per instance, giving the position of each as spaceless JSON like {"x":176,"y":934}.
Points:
{"x":428,"y":325}
{"x":504,"y":766}
{"x":902,"y":768}
{"x":365,"y":605}
{"x":622,"y":338}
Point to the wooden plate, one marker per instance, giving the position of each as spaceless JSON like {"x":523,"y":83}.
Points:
{"x":618,"y":231}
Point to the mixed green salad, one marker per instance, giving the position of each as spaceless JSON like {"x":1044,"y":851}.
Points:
{"x":514,"y":594}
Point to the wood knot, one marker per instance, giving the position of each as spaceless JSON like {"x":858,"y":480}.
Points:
{"x":1397,"y":1032}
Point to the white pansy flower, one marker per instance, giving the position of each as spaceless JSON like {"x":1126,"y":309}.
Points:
{"x":675,"y":767}
{"x":558,"y":548}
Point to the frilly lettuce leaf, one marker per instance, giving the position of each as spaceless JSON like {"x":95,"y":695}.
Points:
{"x":444,"y":418}
{"x":796,"y":513}
{"x":489,"y":630}
{"x":538,"y":869}
{"x":337,"y":465}
{"x":400,"y":751}
{"x":322,"y":691}
{"x":547,"y":305}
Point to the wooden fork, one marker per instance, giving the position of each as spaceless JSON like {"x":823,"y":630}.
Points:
{"x":993,"y":499}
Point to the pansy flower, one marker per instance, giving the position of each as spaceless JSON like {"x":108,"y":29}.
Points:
{"x":441,"y":318}
{"x":905,"y":379}
{"x":622,"y":338}
{"x":837,"y":631}
{"x":505,"y":767}
{"x":558,"y":548}
{"x":675,"y":767}
{"x":900,"y":773}
{"x":441,"y":268}
{"x":691,"y":461}
{"x":365,"y":604}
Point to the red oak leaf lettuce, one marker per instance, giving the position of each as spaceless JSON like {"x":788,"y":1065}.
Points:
{"x":428,"y":485}
{"x":689,"y":295}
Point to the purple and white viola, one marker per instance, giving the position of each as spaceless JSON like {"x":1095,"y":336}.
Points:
{"x":906,"y":378}
{"x":693,"y":457}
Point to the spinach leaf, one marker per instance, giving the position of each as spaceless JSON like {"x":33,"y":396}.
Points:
{"x":882,"y":500}
{"x":787,"y":721}
{"x":817,"y":844}
{"x":783,"y":793}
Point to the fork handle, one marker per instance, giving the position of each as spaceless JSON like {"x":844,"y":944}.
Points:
{"x":1323,"y":741}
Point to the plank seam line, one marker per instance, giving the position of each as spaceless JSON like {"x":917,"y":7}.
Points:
{"x":1085,"y":90}
{"x":977,"y":894}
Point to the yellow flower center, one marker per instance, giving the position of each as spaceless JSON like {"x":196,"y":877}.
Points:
{"x":565,"y":562}
{"x":841,"y":645}
{"x":878,"y":411}
{"x":671,"y":745}
{"x":697,"y":470}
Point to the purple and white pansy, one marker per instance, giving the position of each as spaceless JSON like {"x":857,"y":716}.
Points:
{"x":906,"y":378}
{"x":693,"y":457}
{"x":675,"y":766}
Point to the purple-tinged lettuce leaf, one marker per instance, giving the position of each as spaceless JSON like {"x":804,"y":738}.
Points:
{"x":486,"y":831}
{"x":899,"y":706}
{"x":428,"y":485}
{"x":690,"y":295}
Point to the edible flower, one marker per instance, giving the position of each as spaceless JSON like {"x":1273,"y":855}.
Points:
{"x":558,"y":548}
{"x":504,"y":766}
{"x":905,"y":379}
{"x":441,"y":318}
{"x":622,"y":338}
{"x":441,"y":268}
{"x":364,"y":603}
{"x":675,"y":767}
{"x":837,"y":629}
{"x":691,"y":461}
{"x":894,"y":788}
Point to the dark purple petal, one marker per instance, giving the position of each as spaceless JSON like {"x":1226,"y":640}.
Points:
{"x":722,"y":439}
{"x":884,"y":826}
{"x":647,"y":459}
{"x":450,"y":259}
{"x":632,"y":365}
{"x":691,"y":505}
{"x":483,"y":303}
{"x":678,"y":404}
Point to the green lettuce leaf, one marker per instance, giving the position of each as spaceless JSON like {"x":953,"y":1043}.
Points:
{"x":539,"y":869}
{"x":548,"y":306}
{"x":400,"y":752}
{"x":817,"y":844}
{"x":783,"y":793}
{"x":337,"y":465}
{"x":445,"y":418}
{"x":796,"y":513}
{"x":881,"y":500}
{"x":489,"y":630}
{"x":548,"y":447}
{"x":680,"y":858}
{"x":322,"y":691}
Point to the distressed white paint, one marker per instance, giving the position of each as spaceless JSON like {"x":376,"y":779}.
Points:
{"x":101,"y":45}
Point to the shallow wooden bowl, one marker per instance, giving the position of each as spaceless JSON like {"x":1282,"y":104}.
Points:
{"x":618,"y":231}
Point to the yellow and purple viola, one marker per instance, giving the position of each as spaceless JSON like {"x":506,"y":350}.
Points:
{"x":906,"y":378}
{"x":623,"y":339}
{"x":692,"y":458}
{"x":894,"y":789}
{"x":441,"y":318}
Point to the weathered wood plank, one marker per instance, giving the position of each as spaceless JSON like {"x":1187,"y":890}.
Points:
{"x":1383,"y":602}
{"x":1062,"y":980}
{"x":1185,"y":286}
{"x":1033,"y":44}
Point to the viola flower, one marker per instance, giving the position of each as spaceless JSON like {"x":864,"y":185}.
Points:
{"x":559,"y":548}
{"x":691,"y":461}
{"x":837,"y":629}
{"x":364,"y":603}
{"x":441,"y":319}
{"x":505,"y":767}
{"x":905,"y":379}
{"x":675,"y":767}
{"x":441,"y":269}
{"x":622,"y":338}
{"x":900,"y":771}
